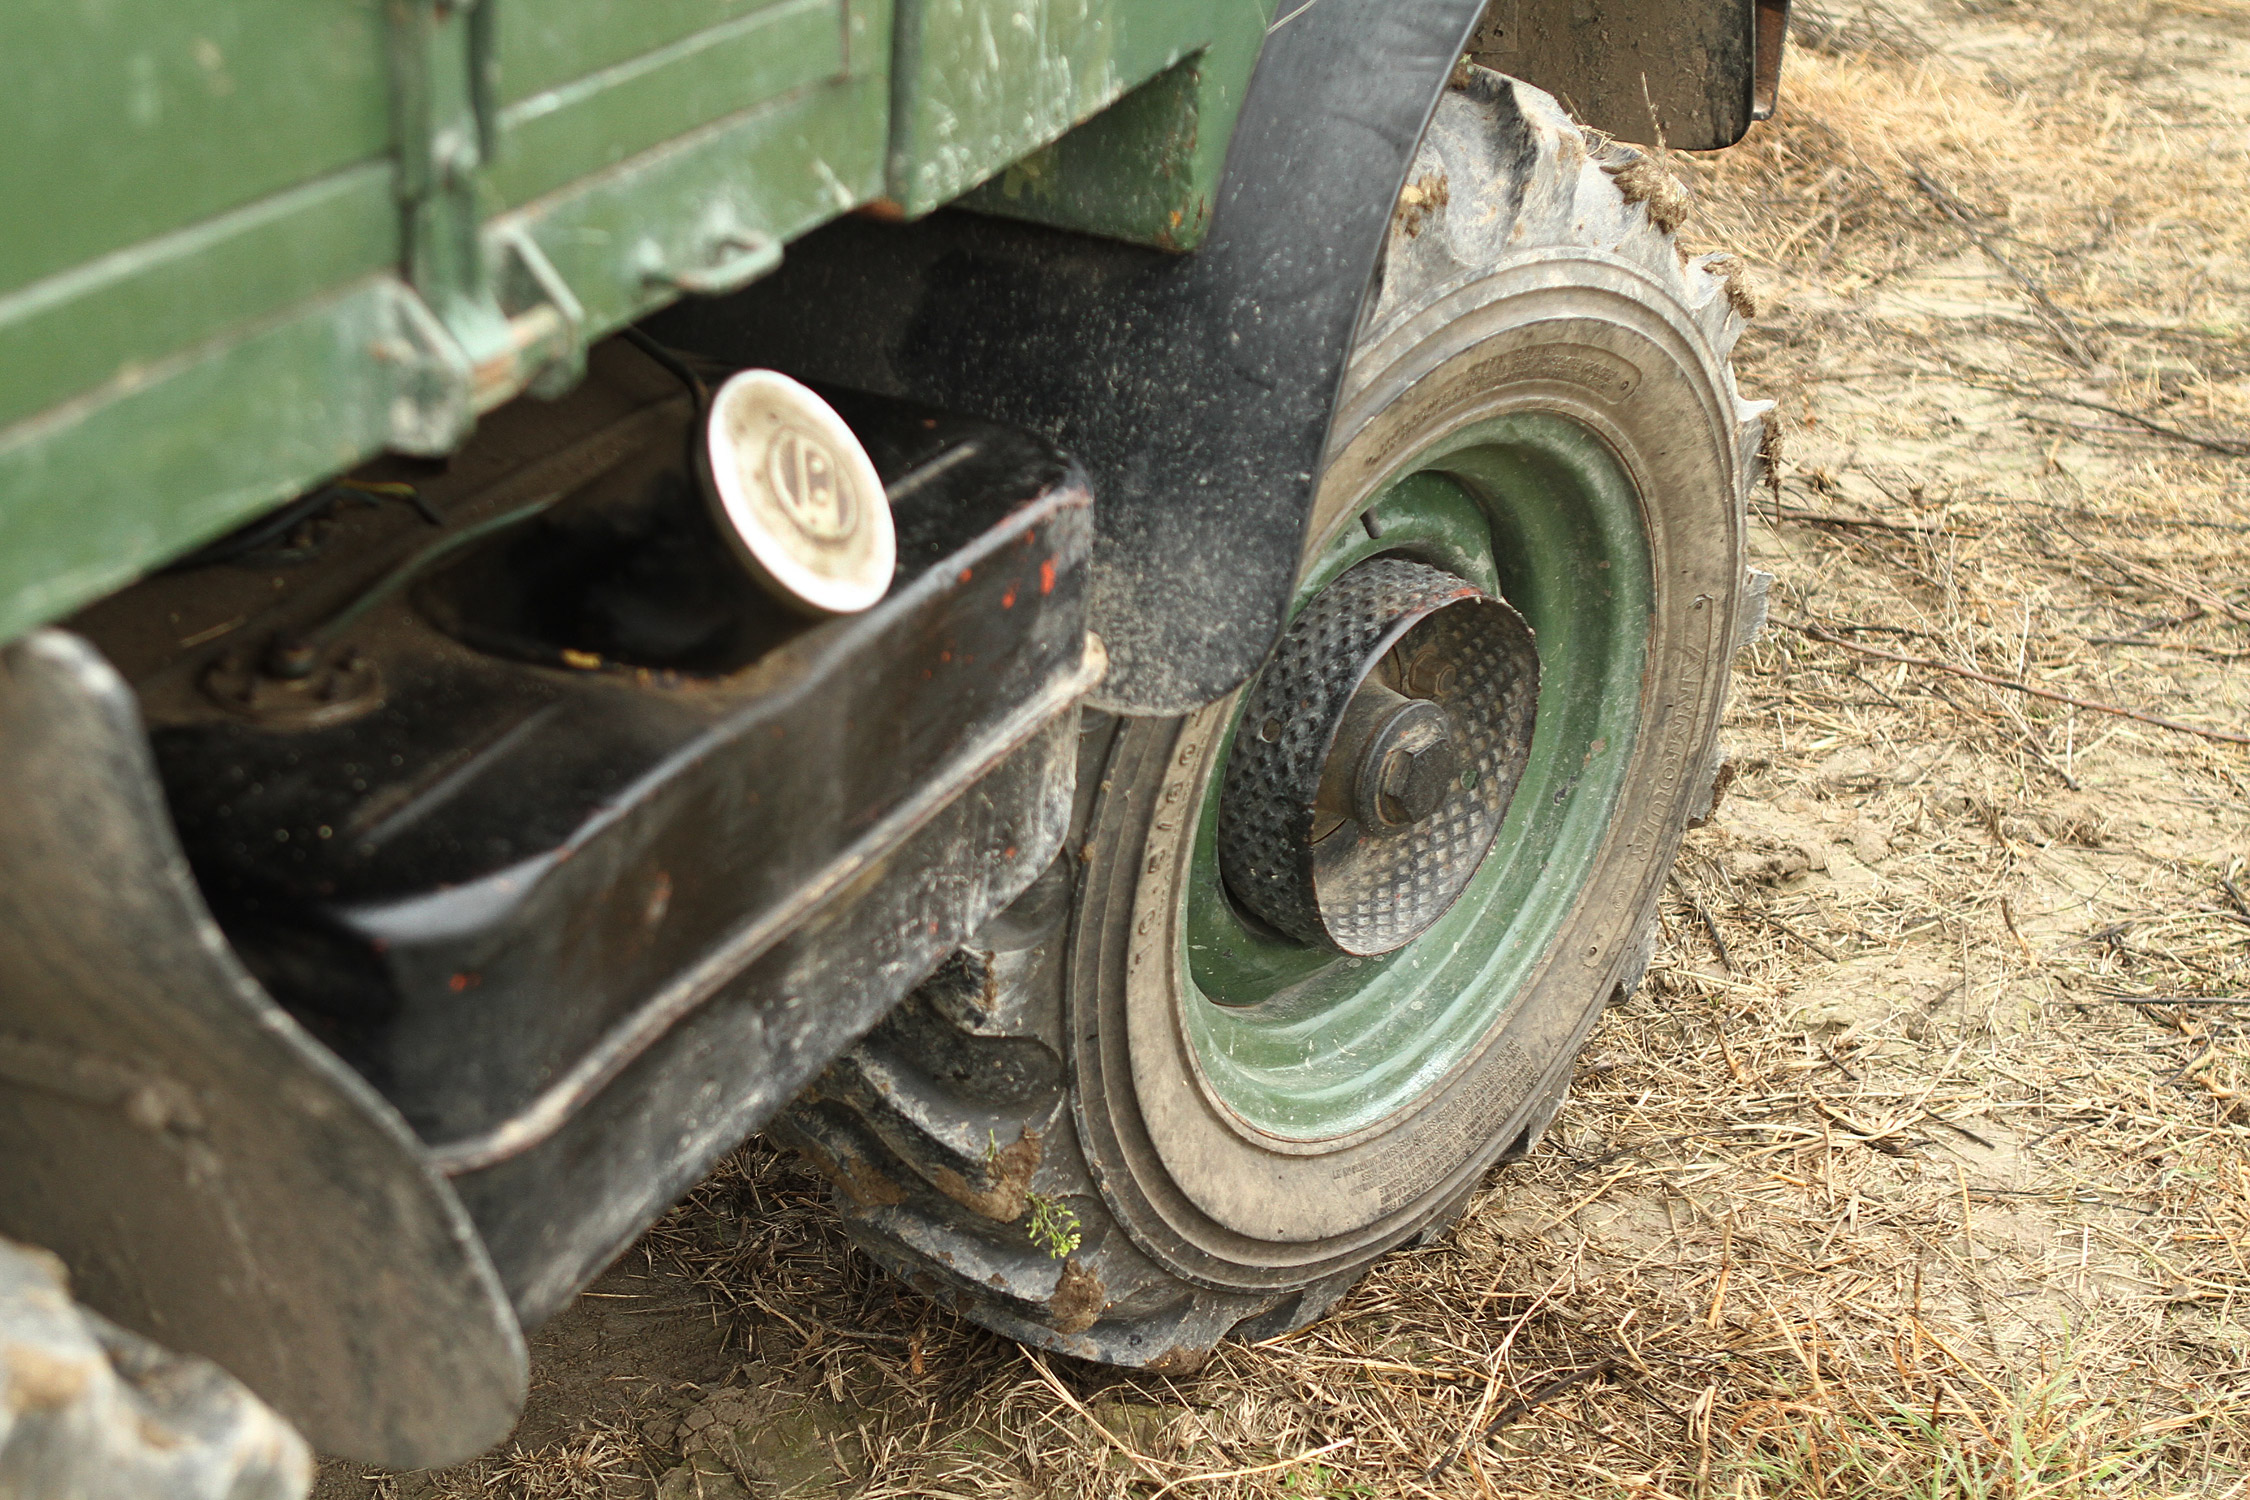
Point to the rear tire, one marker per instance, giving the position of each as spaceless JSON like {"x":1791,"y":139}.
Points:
{"x":1132,"y":1118}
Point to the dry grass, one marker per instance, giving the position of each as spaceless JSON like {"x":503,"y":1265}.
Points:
{"x":1909,"y":1172}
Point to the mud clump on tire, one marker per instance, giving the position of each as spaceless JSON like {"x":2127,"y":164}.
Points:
{"x":1640,"y":180}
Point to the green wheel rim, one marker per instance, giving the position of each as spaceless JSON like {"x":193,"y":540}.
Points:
{"x":1307,"y":1044}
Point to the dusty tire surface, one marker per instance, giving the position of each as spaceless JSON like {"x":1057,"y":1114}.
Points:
{"x":1127,"y":1121}
{"x":92,"y":1411}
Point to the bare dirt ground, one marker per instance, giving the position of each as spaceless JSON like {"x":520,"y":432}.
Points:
{"x":1921,"y":1164}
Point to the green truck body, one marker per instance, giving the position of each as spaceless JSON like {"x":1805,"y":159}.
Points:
{"x":245,"y":244}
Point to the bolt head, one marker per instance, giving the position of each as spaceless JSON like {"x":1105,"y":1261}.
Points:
{"x":1406,"y":768}
{"x":1415,"y":782}
{"x":1431,"y":674}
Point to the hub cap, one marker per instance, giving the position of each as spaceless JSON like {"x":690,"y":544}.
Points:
{"x":1299,"y":1041}
{"x":1379,"y":751}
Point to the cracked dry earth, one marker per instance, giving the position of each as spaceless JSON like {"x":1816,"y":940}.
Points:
{"x":1920,"y":1165}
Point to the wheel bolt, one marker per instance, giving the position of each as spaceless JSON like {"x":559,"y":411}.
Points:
{"x":1431,"y":675}
{"x":1414,"y":782}
{"x":1404,"y":766}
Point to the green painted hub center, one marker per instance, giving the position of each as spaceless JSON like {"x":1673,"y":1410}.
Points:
{"x":1306,"y":1044}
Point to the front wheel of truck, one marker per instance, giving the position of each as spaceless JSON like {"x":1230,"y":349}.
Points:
{"x":1322,"y":952}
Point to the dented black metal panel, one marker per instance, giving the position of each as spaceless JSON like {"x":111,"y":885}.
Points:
{"x":556,"y":1213}
{"x":1196,"y":389}
{"x":1680,"y":73}
{"x":212,"y":1176}
{"x":587,"y":802}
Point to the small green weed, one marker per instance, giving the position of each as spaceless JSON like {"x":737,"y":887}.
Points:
{"x":1053,"y":1227}
{"x":1320,"y":1480}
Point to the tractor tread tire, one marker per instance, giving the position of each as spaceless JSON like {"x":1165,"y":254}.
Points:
{"x":949,"y":1132}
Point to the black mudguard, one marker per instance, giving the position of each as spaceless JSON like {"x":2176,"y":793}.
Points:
{"x":1196,"y":389}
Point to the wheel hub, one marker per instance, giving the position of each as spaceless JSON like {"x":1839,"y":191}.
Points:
{"x":1376,"y":757}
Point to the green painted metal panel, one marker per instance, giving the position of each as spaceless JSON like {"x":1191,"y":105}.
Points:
{"x":94,"y":496}
{"x":100,"y":490}
{"x":981,"y":83}
{"x":547,"y":44}
{"x":125,"y":119}
{"x":201,"y":310}
{"x":100,"y":323}
{"x":1139,"y":170}
{"x":1131,"y":172}
{"x":778,"y":170}
{"x":594,"y":122}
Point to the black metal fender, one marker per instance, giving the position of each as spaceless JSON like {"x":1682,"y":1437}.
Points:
{"x":344,"y":1114}
{"x":214,"y":1178}
{"x":1196,"y":389}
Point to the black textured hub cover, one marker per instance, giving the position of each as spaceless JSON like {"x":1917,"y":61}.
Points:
{"x":1421,"y":632}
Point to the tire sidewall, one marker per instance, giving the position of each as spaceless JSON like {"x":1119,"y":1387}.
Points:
{"x":1576,"y":333}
